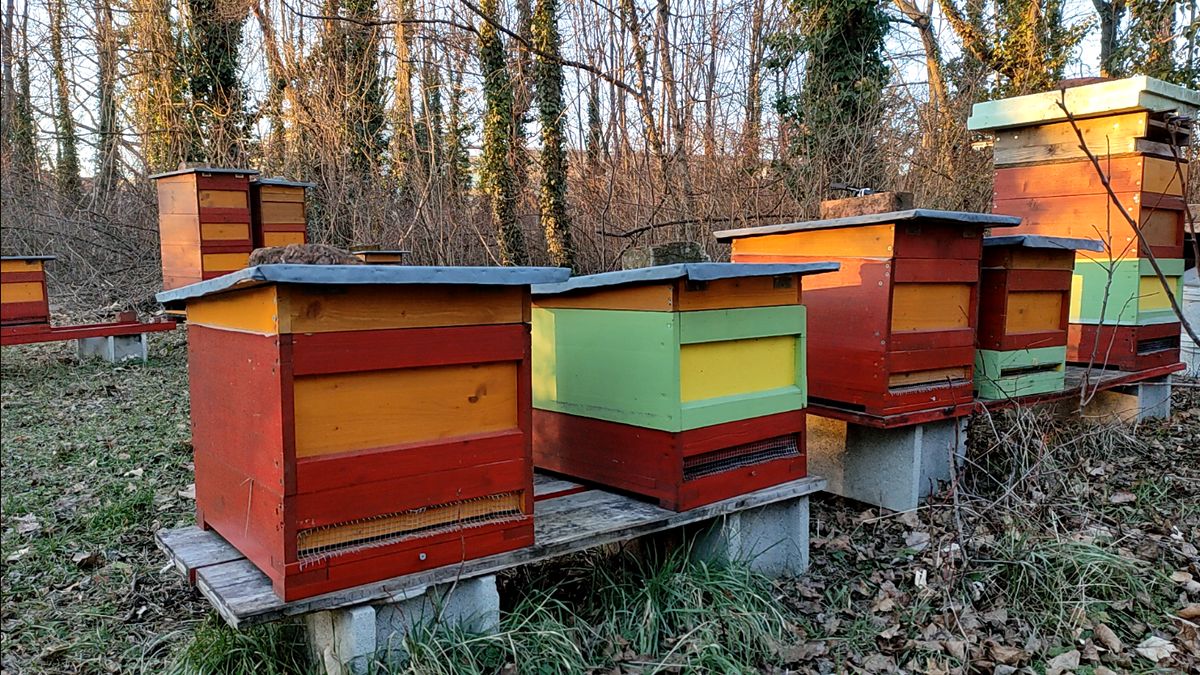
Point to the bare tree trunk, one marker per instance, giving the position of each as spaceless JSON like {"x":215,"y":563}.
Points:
{"x":920,"y":19}
{"x":752,"y":131}
{"x":107,"y":173}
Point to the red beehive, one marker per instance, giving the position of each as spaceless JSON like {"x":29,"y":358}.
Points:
{"x":356,"y":423}
{"x":203,"y":223}
{"x":893,"y":331}
{"x":24,"y":305}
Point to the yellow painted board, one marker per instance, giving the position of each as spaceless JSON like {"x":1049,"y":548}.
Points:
{"x":926,"y":307}
{"x":282,"y":238}
{"x":282,"y":212}
{"x":1033,"y":311}
{"x":223,"y":199}
{"x":927,"y":376}
{"x":715,"y":369}
{"x":738,"y":293}
{"x":325,"y":309}
{"x":229,"y":231}
{"x":281,"y":193}
{"x":20,"y":265}
{"x":21,"y":291}
{"x":251,"y":310}
{"x":359,"y":411}
{"x":1151,"y":295}
{"x":875,"y":241}
{"x":1159,"y":175}
{"x":224,"y":262}
{"x":1076,"y":295}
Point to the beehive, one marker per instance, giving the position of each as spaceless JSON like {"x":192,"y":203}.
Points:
{"x":1024,"y":305}
{"x":203,"y":223}
{"x":278,"y":213}
{"x":1120,"y":315}
{"x":355,"y":423}
{"x":373,"y":256}
{"x":894,"y":329}
{"x":684,"y":383}
{"x":24,"y":305}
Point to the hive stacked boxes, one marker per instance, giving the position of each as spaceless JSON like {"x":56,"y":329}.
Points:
{"x":684,"y":383}
{"x":24,"y":306}
{"x":893,"y":331}
{"x":203,"y":223}
{"x":1120,"y":315}
{"x":278,"y":213}
{"x":356,"y":423}
{"x":1024,"y":303}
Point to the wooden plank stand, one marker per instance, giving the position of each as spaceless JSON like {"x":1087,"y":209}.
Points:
{"x":375,"y":421}
{"x":683,"y":383}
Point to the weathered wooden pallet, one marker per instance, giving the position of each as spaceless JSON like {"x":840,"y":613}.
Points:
{"x":1098,"y":379}
{"x":569,"y":518}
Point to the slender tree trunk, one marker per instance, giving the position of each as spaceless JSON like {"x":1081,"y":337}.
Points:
{"x":552,"y":198}
{"x":66,"y":169}
{"x":752,"y":131}
{"x":496,"y":171}
{"x":107,"y":172}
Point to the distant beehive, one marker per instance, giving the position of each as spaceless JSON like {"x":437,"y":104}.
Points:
{"x":24,"y":305}
{"x":278,"y":212}
{"x":372,"y":256}
{"x":352,"y":424}
{"x":204,"y":223}
{"x":684,"y":383}
{"x":1024,"y":304}
{"x":893,"y":331}
{"x":1044,"y":177}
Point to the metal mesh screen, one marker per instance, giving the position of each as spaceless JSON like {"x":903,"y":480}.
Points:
{"x":709,"y":463}
{"x":1157,"y":345}
{"x":318,"y":542}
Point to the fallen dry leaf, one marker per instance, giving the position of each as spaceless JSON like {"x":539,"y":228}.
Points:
{"x":188,"y":492}
{"x":1181,"y":577}
{"x":1155,"y":649}
{"x":1007,"y":655}
{"x":1190,"y":612}
{"x":28,"y":524}
{"x":1063,"y":663}
{"x":1122,"y":497}
{"x":1108,"y":638}
{"x":17,"y":554}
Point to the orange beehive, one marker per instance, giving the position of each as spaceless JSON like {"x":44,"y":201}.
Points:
{"x":354,"y":423}
{"x":203,"y":223}
{"x":278,"y":213}
{"x":23,"y":301}
{"x":893,"y":331}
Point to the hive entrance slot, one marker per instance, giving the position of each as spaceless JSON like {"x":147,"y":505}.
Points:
{"x":728,"y":459}
{"x":1030,"y":370}
{"x":319,"y":542}
{"x":1157,"y":345}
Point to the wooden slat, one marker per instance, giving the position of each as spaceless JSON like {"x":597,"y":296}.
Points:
{"x":568,"y":524}
{"x":925,"y":306}
{"x":658,"y":297}
{"x":191,"y":548}
{"x":739,"y":293}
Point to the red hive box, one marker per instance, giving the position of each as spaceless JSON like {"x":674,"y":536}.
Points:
{"x":203,"y":223}
{"x":24,"y":305}
{"x":893,"y":331}
{"x":355,"y":423}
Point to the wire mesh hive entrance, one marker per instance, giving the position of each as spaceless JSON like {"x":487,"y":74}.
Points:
{"x":728,"y":459}
{"x":319,"y":542}
{"x":1157,"y":345}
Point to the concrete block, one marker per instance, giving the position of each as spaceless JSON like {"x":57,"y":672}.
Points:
{"x":771,"y":539}
{"x":342,"y":641}
{"x":114,"y":348}
{"x":892,"y":468}
{"x":1132,"y":404}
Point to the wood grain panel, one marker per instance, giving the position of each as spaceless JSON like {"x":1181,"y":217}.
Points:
{"x":357,"y":411}
{"x":926,"y":307}
{"x":282,"y":212}
{"x":927,"y":376}
{"x":283,"y":238}
{"x":224,"y":199}
{"x":251,"y":310}
{"x":875,"y":241}
{"x":1113,"y":134}
{"x":328,"y":308}
{"x":229,"y":231}
{"x":658,"y":297}
{"x":21,"y":266}
{"x":27,"y":291}
{"x":737,"y":293}
{"x":224,"y":262}
{"x":281,"y":193}
{"x":1034,"y":311}
{"x":177,"y":196}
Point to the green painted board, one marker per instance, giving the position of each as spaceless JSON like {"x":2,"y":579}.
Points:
{"x":624,"y":366}
{"x":1121,"y":280}
{"x":993,"y":383}
{"x":1092,"y":100}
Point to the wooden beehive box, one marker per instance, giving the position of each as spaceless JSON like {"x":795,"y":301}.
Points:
{"x":1044,"y":177}
{"x":203,"y":223}
{"x":1024,"y":305}
{"x":277,"y":212}
{"x":684,"y":383}
{"x":373,"y":256}
{"x":355,"y":423}
{"x":24,"y":304}
{"x":893,"y":331}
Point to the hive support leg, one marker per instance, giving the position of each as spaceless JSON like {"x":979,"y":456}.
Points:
{"x":892,"y":468}
{"x":1149,"y":400}
{"x":114,"y":348}
{"x":347,"y":641}
{"x":771,"y":539}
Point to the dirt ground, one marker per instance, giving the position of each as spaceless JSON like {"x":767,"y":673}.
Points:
{"x":1061,"y":548}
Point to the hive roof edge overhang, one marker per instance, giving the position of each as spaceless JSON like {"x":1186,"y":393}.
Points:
{"x":349,"y":275}
{"x":1097,"y":99}
{"x":202,"y":169}
{"x":1042,"y":241}
{"x":392,"y":251}
{"x":28,"y":257}
{"x":932,"y":215}
{"x":261,"y":180}
{"x":690,"y":271}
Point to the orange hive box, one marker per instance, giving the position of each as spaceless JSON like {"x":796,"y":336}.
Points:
{"x":24,"y":305}
{"x":203,"y":223}
{"x":893,"y":331}
{"x":355,"y":423}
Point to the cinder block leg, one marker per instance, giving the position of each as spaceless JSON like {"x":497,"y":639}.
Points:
{"x":771,"y":539}
{"x":473,"y":604}
{"x":342,"y":641}
{"x":892,"y":468}
{"x":1149,"y":400}
{"x":114,"y":348}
